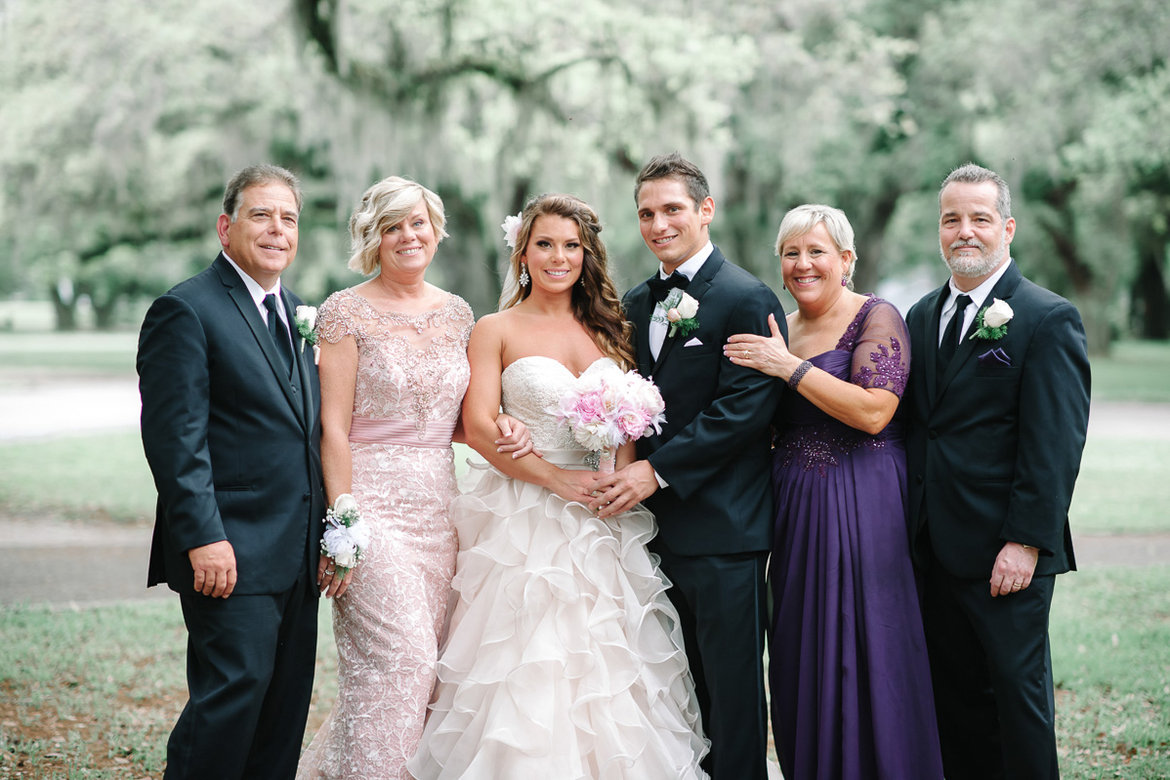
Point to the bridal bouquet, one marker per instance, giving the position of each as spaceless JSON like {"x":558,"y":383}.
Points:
{"x":605,"y":408}
{"x":346,"y":534}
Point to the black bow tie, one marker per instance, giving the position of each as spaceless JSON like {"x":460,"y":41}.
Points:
{"x":659,"y":287}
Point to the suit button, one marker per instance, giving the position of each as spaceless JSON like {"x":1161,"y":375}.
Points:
{"x":933,"y":435}
{"x":918,"y":478}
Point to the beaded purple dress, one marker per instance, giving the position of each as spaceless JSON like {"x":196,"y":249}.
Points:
{"x":849,"y":676}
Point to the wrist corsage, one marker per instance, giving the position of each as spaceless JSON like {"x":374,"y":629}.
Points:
{"x":680,"y":312}
{"x":992,"y":321}
{"x":346,"y":535}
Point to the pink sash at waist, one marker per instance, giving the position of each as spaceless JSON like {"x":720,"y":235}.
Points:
{"x":376,"y":430}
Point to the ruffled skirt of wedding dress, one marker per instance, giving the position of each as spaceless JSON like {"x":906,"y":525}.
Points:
{"x":564,"y":658}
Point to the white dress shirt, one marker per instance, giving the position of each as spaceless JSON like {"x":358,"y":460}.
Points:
{"x":257,"y":292}
{"x":978,"y":296}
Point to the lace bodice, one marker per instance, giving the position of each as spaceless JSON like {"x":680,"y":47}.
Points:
{"x":531,"y":388}
{"x":874,"y":352}
{"x":410,"y":367}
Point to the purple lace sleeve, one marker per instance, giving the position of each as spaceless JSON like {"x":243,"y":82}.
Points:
{"x":881,"y":349}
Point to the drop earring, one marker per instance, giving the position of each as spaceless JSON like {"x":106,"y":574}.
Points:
{"x":524,"y":275}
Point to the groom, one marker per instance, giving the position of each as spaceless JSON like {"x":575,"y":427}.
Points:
{"x":230,"y":426}
{"x":999,"y":405}
{"x":706,"y":476}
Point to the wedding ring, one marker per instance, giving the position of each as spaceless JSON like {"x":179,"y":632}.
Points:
{"x":329,"y":572}
{"x":1015,"y":586}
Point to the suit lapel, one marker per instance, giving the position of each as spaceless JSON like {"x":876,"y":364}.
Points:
{"x":302,"y":354}
{"x":247,"y":308}
{"x":934,"y":306}
{"x":639,"y":307}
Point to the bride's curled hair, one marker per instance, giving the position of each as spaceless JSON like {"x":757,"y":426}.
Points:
{"x":595,"y":301}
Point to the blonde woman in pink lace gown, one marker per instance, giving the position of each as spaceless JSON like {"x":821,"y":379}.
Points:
{"x":393,"y":366}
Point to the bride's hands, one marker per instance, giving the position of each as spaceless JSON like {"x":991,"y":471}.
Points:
{"x":767,"y":354}
{"x":572,"y":484}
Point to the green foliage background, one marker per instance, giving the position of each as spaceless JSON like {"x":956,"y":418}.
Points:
{"x":120,"y":122}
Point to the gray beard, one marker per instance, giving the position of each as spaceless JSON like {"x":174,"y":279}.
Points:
{"x":975,"y":267}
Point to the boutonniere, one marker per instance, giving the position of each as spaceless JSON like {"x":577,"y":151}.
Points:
{"x":306,"y":321}
{"x":991,"y":322}
{"x":680,"y":312}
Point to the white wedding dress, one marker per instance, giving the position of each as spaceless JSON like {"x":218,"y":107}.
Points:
{"x":564,"y":658}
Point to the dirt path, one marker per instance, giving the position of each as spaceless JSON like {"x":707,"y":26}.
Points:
{"x":61,"y":563}
{"x":67,"y":564}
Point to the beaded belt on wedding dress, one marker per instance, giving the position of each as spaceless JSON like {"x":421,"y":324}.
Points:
{"x":380,"y":430}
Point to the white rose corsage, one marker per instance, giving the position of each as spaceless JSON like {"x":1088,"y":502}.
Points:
{"x":680,"y":312}
{"x":991,"y":322}
{"x":306,"y":322}
{"x":346,"y":534}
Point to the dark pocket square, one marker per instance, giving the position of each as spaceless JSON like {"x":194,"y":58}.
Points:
{"x":994,"y":357}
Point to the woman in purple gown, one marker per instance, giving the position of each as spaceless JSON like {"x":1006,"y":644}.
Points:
{"x":850,"y":680}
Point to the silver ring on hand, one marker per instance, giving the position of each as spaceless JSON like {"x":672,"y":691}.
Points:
{"x":329,"y":572}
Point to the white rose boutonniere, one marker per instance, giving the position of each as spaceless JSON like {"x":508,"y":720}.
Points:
{"x":680,"y":312}
{"x":306,"y":320}
{"x":991,"y":322}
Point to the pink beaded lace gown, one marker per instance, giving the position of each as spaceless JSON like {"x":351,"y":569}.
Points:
{"x":412,"y":374}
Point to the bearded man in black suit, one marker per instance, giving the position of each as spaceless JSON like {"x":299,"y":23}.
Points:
{"x":999,"y":406}
{"x":230,"y":426}
{"x":706,"y":475}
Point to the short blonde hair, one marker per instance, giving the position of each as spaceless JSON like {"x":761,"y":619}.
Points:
{"x":383,"y":206}
{"x":804,"y":218}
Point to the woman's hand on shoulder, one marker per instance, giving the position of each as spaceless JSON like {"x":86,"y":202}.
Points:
{"x":766,"y":354}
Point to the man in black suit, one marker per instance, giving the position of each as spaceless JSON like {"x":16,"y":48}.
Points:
{"x":230,"y":426}
{"x":999,"y":406}
{"x":706,"y":476}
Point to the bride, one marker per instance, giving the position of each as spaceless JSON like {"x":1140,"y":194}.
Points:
{"x":564,"y":658}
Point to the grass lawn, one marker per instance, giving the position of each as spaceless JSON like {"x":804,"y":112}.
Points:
{"x":1134,"y":371}
{"x":94,"y":693}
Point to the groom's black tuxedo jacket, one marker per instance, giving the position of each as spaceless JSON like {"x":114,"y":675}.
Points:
{"x":714,"y":449}
{"x":233,"y":444}
{"x":994,"y":444}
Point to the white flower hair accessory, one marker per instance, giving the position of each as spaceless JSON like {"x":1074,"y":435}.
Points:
{"x":511,"y":228}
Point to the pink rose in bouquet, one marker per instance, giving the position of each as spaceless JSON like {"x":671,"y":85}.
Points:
{"x":607,"y":407}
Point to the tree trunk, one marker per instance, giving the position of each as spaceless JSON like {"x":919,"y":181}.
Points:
{"x":1151,"y":306}
{"x":64,"y":308}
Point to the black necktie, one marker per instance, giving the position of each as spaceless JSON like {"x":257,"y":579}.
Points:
{"x":950,"y":339}
{"x":279,"y":333}
{"x":659,"y":287}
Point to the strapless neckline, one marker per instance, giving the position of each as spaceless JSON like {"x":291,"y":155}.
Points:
{"x":555,"y":362}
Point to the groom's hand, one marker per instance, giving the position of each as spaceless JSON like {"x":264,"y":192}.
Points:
{"x":215,"y":568}
{"x":620,"y":491}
